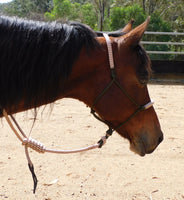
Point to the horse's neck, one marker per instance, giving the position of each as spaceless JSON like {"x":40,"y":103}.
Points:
{"x":82,"y":83}
{"x":87,"y":76}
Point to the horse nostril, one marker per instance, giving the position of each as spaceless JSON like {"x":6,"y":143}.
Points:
{"x":160,"y":139}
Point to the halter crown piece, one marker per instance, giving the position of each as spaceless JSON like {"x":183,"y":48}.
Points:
{"x":28,"y":142}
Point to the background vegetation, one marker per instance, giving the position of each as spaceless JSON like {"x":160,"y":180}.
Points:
{"x":166,"y":16}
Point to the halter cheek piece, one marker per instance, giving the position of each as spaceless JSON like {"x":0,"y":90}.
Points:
{"x":28,"y":142}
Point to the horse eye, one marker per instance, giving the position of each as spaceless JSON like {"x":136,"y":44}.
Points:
{"x":142,"y":76}
{"x":143,"y":82}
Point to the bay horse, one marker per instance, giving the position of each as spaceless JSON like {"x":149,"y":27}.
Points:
{"x":42,"y":62}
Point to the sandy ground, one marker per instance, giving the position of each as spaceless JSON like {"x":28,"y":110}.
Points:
{"x":110,"y":173}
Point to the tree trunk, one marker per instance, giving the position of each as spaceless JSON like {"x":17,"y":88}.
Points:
{"x":144,"y":6}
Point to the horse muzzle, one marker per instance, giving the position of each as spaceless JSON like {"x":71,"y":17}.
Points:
{"x":145,"y":144}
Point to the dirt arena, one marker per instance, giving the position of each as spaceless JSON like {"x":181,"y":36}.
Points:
{"x":110,"y":173}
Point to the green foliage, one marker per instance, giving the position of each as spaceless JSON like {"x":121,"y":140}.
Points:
{"x":121,"y":15}
{"x":88,"y":15}
{"x":157,"y":24}
{"x":66,"y":10}
{"x":76,"y":12}
{"x":41,"y":6}
{"x":28,"y":8}
{"x":62,"y":10}
{"x":20,"y":8}
{"x":109,"y":15}
{"x":80,"y":1}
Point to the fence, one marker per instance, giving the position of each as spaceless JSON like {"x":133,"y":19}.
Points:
{"x":164,"y":43}
{"x":170,"y":65}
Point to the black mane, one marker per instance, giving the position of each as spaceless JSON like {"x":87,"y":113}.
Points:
{"x":112,"y":34}
{"x":36,"y":56}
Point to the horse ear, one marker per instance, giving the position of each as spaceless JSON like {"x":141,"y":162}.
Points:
{"x":128,"y":27}
{"x":133,"y":37}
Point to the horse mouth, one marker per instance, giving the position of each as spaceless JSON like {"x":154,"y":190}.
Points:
{"x":136,"y":149}
{"x":144,"y":144}
{"x":142,"y":148}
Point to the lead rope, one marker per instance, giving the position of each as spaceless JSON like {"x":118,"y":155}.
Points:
{"x":39,"y":147}
{"x":28,"y":142}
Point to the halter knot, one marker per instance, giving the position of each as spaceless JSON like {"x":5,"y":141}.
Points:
{"x":102,"y":141}
{"x":32,"y":143}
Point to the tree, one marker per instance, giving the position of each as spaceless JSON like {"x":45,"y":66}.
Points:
{"x":157,"y":24}
{"x":121,"y":15}
{"x":41,"y":6}
{"x":88,"y":15}
{"x":33,"y":9}
{"x":100,"y":7}
{"x":80,"y":1}
{"x":62,"y":10}
{"x":20,"y":8}
{"x":105,"y":12}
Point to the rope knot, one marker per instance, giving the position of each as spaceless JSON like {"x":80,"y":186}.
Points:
{"x":33,"y":144}
{"x":102,"y":141}
{"x":109,"y":132}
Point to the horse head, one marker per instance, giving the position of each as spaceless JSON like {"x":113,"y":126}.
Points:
{"x":118,"y":103}
{"x":50,"y":61}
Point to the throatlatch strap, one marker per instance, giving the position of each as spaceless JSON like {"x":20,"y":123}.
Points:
{"x":110,"y":52}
